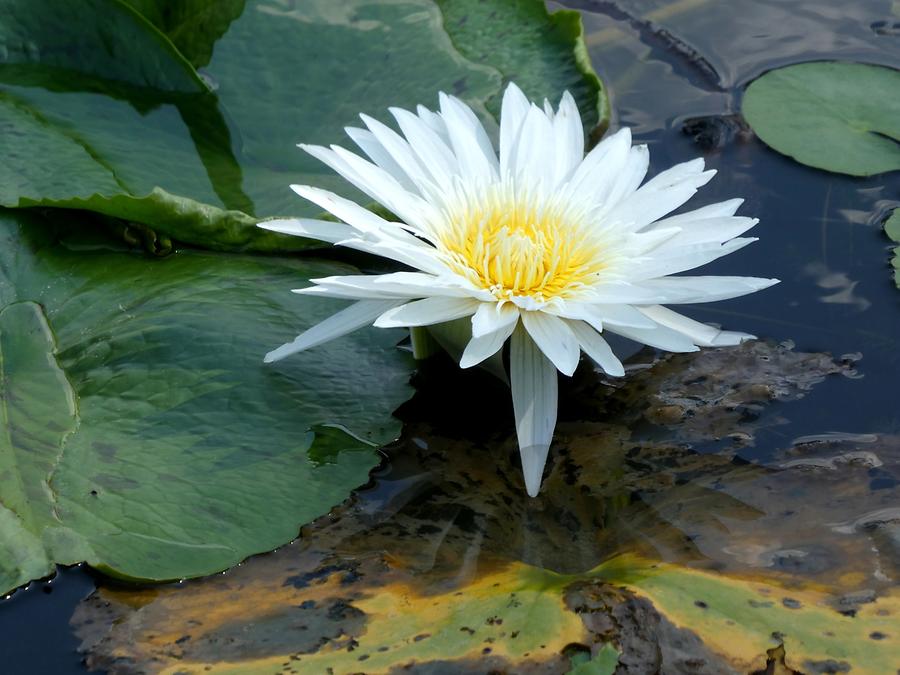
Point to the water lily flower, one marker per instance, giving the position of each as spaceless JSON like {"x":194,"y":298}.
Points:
{"x":537,"y":243}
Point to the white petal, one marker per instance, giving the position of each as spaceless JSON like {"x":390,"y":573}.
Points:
{"x":434,"y":121}
{"x":350,"y":212}
{"x":402,"y":285}
{"x":718,"y":210}
{"x":377,"y":183}
{"x":658,"y":197}
{"x":569,"y":138}
{"x":427,"y":312}
{"x":708,"y":230}
{"x":307,"y":227}
{"x":555,"y":339}
{"x":416,"y":168}
{"x":699,"y":333}
{"x":469,"y":140}
{"x":423,"y":258}
{"x":680,"y":290}
{"x":369,"y":144}
{"x":493,"y":316}
{"x":432,"y":149}
{"x":512,"y":114}
{"x":600,"y":314}
{"x":534,"y":391}
{"x":595,"y":176}
{"x":485,"y":346}
{"x":659,"y":337}
{"x":532,"y":159}
{"x":347,"y":320}
{"x":674,"y":260}
{"x":597,"y":348}
{"x":630,"y":177}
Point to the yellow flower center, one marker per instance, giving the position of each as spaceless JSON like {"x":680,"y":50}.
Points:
{"x":520,"y":247}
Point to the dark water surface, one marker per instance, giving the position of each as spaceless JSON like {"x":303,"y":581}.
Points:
{"x":676,"y":71}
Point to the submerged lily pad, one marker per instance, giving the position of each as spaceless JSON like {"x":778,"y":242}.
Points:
{"x":143,"y":434}
{"x":202,"y":166}
{"x":434,"y":568}
{"x":841,"y":117}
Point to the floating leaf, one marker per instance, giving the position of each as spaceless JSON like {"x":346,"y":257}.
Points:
{"x":104,"y":38}
{"x":841,"y":117}
{"x":143,"y":434}
{"x":892,"y":229}
{"x":201,"y":167}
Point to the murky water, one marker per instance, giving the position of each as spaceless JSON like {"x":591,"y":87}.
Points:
{"x":774,"y":461}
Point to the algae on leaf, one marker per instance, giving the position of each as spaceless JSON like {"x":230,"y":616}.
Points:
{"x":202,"y":166}
{"x":141,"y":431}
{"x":836,"y":116}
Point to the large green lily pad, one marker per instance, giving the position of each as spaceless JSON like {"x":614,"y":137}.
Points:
{"x":841,"y":117}
{"x":141,"y":431}
{"x":202,"y":166}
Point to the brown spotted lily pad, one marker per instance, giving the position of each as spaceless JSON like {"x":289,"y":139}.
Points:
{"x":654,"y":541}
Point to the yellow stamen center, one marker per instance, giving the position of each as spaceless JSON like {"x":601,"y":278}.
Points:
{"x":518,"y":247}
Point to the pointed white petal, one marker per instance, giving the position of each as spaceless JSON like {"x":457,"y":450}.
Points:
{"x":423,"y":258}
{"x":512,"y":114}
{"x":493,"y":316}
{"x":307,"y":227}
{"x":351,"y":213}
{"x":555,"y":339}
{"x":674,"y":260}
{"x":569,"y":138}
{"x":468,"y":139}
{"x":659,"y":337}
{"x":434,"y":121}
{"x":377,"y":183}
{"x":699,"y":333}
{"x":427,"y":312}
{"x":347,"y":320}
{"x":597,"y":348}
{"x":708,"y":230}
{"x":534,"y":391}
{"x":533,"y":158}
{"x":659,"y":196}
{"x":719,"y":210}
{"x":375,"y":151}
{"x":400,"y":150}
{"x":630,"y":177}
{"x":681,"y":290}
{"x":402,"y":285}
{"x":595,"y":176}
{"x":485,"y":346}
{"x":431,"y":147}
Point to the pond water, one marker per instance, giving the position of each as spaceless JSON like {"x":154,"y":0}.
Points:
{"x":773,"y":461}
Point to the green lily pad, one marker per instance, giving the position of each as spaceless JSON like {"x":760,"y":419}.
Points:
{"x":141,"y":431}
{"x":892,"y":229}
{"x":202,"y":166}
{"x":840,"y":117}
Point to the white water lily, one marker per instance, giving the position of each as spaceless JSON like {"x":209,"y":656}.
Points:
{"x":537,"y":243}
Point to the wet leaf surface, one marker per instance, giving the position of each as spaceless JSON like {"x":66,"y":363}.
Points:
{"x":142,"y":432}
{"x":435,"y":566}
